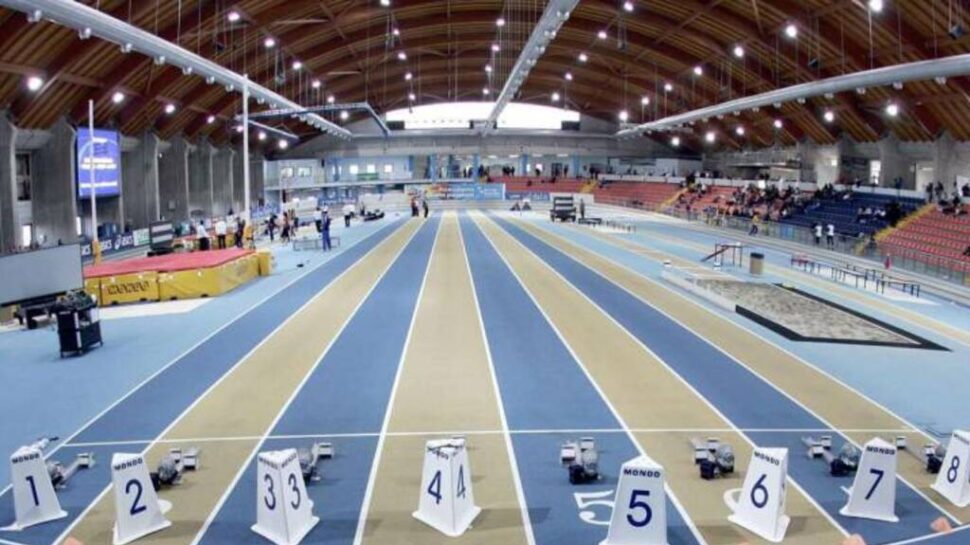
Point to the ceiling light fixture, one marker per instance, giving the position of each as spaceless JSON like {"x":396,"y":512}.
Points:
{"x":34,"y":83}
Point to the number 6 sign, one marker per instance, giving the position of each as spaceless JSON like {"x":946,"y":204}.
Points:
{"x":761,"y":506}
{"x":640,"y":507}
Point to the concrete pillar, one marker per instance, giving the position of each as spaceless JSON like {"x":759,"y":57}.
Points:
{"x":257,"y":179}
{"x":894,"y":164}
{"x":476,"y":162}
{"x":139,"y":182}
{"x":943,"y":163}
{"x":173,"y":181}
{"x":223,"y":186}
{"x":200,"y":180}
{"x":54,"y":193}
{"x":9,"y":230}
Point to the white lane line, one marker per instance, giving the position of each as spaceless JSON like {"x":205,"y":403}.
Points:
{"x":178,"y":358}
{"x":764,"y":379}
{"x":379,"y":450}
{"x":215,"y":384}
{"x":616,"y":414}
{"x":6,"y":542}
{"x":296,"y":391}
{"x":448,"y":433}
{"x":510,"y":449}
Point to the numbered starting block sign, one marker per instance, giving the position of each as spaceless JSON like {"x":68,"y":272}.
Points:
{"x":953,"y":481}
{"x":446,"y":502}
{"x":761,"y":506}
{"x":284,"y":513}
{"x":34,"y":499}
{"x":873,"y":493}
{"x":138,"y":510}
{"x":640,"y":508}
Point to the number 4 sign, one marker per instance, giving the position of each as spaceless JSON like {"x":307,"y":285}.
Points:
{"x":446,"y":502}
{"x":34,"y":498}
{"x":640,"y":507}
{"x":952,"y":481}
{"x":284,"y":513}
{"x":139,"y":511}
{"x":761,"y":507}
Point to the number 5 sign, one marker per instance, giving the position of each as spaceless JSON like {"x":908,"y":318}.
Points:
{"x":761,"y":507}
{"x":640,"y":506}
{"x":138,"y":509}
{"x":284,"y":513}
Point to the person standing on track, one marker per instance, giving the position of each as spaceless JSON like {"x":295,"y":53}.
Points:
{"x":830,"y":236}
{"x":221,"y":229}
{"x":202,"y":236}
{"x":817,"y":228}
{"x":325,"y":231}
{"x":424,"y":205}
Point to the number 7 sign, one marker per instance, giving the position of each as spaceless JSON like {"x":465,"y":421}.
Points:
{"x":873,"y":493}
{"x":640,"y":506}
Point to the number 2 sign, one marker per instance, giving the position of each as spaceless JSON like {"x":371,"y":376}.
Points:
{"x":138,"y":510}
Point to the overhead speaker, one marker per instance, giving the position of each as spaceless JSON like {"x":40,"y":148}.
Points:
{"x":570,"y":125}
{"x":395,"y":125}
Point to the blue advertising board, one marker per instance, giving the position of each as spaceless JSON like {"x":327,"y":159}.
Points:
{"x":106,"y":162}
{"x":459,"y":191}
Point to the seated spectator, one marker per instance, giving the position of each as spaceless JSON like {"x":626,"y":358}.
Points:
{"x":967,"y":251}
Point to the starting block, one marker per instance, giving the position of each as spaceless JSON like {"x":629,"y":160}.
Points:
{"x":284,"y":512}
{"x":761,"y":505}
{"x":581,"y":459}
{"x":138,"y":510}
{"x":309,"y":458}
{"x":188,"y":459}
{"x":640,"y":507}
{"x":873,"y":493}
{"x":446,"y":502}
{"x":713,"y":457}
{"x":34,"y":498}
{"x":842,"y":465}
{"x":953,"y":481}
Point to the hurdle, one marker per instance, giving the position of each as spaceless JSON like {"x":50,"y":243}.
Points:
{"x":722,"y":249}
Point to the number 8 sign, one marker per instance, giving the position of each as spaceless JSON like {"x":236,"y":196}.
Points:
{"x":952,"y":481}
{"x":640,"y":510}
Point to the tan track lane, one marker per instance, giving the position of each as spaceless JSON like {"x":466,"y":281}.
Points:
{"x":647,"y":394}
{"x":842,"y":407}
{"x":445,"y":384}
{"x":247,"y":401}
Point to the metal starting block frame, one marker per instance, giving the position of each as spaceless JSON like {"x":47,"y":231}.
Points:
{"x":60,"y":476}
{"x":187,"y":459}
{"x":822,"y":448}
{"x":317,"y":451}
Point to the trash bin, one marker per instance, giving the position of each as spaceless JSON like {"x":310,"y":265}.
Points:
{"x":757,"y":263}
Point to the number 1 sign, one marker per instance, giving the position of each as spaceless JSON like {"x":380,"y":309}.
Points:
{"x":138,"y":509}
{"x":284,"y":513}
{"x":761,"y":507}
{"x":34,"y":499}
{"x":640,"y":508}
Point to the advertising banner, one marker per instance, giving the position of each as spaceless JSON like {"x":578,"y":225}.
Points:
{"x":106,"y":163}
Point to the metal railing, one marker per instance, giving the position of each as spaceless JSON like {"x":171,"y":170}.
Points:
{"x":944,"y":268}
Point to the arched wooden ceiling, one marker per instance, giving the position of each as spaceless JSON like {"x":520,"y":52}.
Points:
{"x":348,"y":46}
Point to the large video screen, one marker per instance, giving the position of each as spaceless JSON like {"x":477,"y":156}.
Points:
{"x":106,"y":161}
{"x":50,"y":271}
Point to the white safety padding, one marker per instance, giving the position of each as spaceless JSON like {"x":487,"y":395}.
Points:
{"x":873,"y":492}
{"x":446,"y":502}
{"x":138,"y":509}
{"x":34,"y":499}
{"x":640,"y":507}
{"x":953,"y":482}
{"x":761,"y":507}
{"x":284,"y":513}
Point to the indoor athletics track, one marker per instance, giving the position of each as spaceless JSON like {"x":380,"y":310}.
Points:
{"x":521,"y":335}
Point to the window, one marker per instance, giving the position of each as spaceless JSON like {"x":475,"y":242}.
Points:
{"x":388,"y":168}
{"x":371,"y":168}
{"x":286,"y":172}
{"x":354,"y":169}
{"x":303,"y":172}
{"x":460,"y":114}
{"x":26,"y":234}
